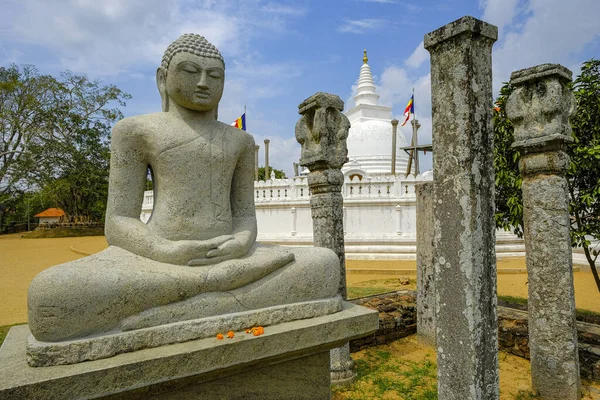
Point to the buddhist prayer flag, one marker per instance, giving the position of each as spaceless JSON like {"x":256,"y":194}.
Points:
{"x":240,"y":123}
{"x":410,"y":109}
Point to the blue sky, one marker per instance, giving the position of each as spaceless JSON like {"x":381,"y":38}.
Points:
{"x":279,"y":52}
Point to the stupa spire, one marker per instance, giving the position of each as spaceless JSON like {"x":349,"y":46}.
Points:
{"x":366,"y":86}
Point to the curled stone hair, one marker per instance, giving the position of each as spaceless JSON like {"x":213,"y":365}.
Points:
{"x":194,"y":44}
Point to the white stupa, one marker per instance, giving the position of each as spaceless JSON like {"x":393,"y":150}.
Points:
{"x":370,"y":135}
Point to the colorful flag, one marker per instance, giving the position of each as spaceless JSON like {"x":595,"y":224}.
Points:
{"x":240,"y":123}
{"x":410,"y":109}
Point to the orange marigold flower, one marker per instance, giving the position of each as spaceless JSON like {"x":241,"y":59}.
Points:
{"x":219,"y":336}
{"x":230,"y":334}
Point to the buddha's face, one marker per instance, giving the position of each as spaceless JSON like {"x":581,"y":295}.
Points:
{"x":194,"y":82}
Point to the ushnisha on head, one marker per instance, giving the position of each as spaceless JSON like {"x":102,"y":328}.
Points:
{"x":191,"y":74}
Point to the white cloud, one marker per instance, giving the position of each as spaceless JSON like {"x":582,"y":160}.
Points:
{"x":546,"y":31}
{"x":499,"y":12}
{"x":112,"y":36}
{"x":418,"y":57}
{"x":284,"y":9}
{"x":361,"y":25}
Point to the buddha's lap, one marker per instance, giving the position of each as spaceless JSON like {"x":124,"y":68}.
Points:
{"x":100,"y":290}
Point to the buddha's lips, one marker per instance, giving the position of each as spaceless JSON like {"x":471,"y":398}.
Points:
{"x":201,"y":93}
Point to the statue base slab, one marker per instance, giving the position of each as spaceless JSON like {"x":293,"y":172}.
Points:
{"x":43,"y":354}
{"x":290,"y":360}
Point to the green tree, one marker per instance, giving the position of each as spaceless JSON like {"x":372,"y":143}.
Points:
{"x":62,"y":151}
{"x":583,"y":176}
{"x":509,"y":202}
{"x":584,"y":170}
{"x":279,"y":174}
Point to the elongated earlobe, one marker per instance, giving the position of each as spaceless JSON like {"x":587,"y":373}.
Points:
{"x":161,"y":82}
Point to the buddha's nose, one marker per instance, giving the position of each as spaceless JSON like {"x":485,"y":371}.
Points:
{"x":203,"y":82}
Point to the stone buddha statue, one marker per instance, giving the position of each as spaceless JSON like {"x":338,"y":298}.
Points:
{"x":197,"y":256}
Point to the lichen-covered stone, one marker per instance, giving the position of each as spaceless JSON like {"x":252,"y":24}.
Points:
{"x":539,"y":108}
{"x":464,"y":238}
{"x":425,"y":267}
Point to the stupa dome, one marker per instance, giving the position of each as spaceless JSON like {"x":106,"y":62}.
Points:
{"x":370,"y":135}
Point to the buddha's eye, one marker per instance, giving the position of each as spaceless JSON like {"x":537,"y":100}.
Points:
{"x":215,"y":74}
{"x":188,"y":67}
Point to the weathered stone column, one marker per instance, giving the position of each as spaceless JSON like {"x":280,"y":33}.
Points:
{"x":394,"y":134}
{"x":267,"y":175}
{"x":464,"y":256}
{"x":540,"y":108}
{"x":256,"y":147}
{"x":322,"y":131}
{"x":425,"y":268}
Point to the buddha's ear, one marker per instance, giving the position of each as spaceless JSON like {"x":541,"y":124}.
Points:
{"x":161,"y":82}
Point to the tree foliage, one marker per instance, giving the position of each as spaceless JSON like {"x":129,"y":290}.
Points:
{"x":54,"y":138}
{"x":584,"y":170}
{"x":509,"y":201}
{"x":583,"y":176}
{"x":279,"y":174}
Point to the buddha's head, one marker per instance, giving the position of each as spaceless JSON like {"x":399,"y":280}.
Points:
{"x":192,"y":74}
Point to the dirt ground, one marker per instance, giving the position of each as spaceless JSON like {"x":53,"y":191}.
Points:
{"x":21,"y":259}
{"x":586,"y":292}
{"x":515,"y":374}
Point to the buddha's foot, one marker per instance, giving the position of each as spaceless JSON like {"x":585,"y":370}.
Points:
{"x":201,"y":306}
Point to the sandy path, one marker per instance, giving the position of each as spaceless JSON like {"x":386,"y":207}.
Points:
{"x":21,"y":259}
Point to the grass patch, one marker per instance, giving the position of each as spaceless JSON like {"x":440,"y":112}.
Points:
{"x":357,"y":292}
{"x":382,"y":375}
{"x":379,"y":286}
{"x":520,"y":303}
{"x":63,"y":232}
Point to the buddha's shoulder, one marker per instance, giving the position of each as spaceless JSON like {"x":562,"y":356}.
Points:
{"x":239,"y":135}
{"x":140,"y":125}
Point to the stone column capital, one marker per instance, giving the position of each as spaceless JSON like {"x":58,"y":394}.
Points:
{"x":540,"y":107}
{"x":322,"y":131}
{"x":456,"y":30}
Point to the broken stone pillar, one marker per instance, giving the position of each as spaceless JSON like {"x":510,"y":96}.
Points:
{"x":464,"y":238}
{"x":539,"y":108}
{"x":256,"y":147}
{"x":267,"y":141}
{"x":425,"y":268}
{"x":322,"y":131}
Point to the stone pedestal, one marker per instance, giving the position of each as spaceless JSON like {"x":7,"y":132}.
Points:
{"x":289,"y":361}
{"x":464,"y":231}
{"x":425,"y":267}
{"x":540,"y":108}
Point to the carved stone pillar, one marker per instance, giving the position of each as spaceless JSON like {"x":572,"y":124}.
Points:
{"x":464,"y":229}
{"x":322,"y":131}
{"x":540,"y":108}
